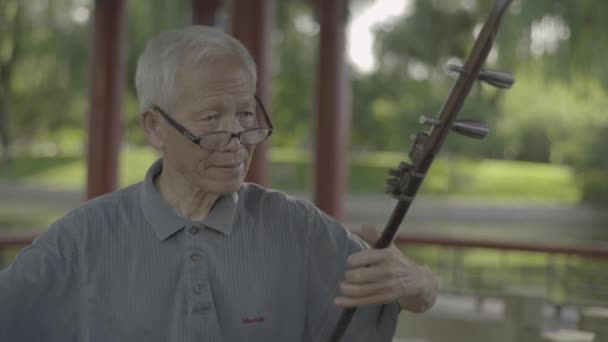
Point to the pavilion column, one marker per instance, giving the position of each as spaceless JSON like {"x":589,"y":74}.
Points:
{"x":332,"y":122}
{"x":252,"y":24}
{"x":106,"y":73}
{"x":204,"y":12}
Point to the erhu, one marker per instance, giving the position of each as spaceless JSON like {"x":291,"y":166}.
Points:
{"x":408,"y":176}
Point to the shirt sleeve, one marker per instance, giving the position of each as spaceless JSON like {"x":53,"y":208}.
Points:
{"x":38,"y":294}
{"x":330,"y":244}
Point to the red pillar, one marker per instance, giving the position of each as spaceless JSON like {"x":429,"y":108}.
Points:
{"x":204,"y":11}
{"x":332,"y":115}
{"x":105,"y":96}
{"x":252,"y":24}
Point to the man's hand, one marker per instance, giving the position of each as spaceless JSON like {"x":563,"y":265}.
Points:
{"x":381,"y":276}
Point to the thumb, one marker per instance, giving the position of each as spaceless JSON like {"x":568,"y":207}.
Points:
{"x":369,"y":235}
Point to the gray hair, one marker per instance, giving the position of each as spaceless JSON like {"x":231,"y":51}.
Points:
{"x":157,"y":65}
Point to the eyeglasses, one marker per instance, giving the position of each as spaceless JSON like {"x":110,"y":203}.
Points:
{"x":215,"y":141}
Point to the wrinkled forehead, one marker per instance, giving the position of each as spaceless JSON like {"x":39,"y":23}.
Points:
{"x":214,"y":79}
{"x":214,"y":68}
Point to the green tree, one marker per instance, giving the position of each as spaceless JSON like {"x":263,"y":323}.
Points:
{"x":10,"y":26}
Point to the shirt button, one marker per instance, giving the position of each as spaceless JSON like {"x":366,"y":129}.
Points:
{"x":195,"y":257}
{"x":194,"y":230}
{"x":197,"y":289}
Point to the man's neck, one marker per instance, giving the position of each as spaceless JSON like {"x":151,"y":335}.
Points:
{"x":190,"y":203}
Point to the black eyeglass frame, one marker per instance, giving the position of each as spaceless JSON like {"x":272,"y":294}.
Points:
{"x":197,"y":139}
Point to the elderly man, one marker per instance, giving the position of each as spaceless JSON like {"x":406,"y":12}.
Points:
{"x":192,"y":253}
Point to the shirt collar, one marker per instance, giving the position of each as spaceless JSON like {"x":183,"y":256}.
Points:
{"x":166,"y":222}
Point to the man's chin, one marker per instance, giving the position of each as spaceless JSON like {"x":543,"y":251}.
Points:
{"x":227,"y":187}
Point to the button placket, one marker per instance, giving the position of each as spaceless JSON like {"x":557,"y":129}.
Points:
{"x":198,"y":288}
{"x":198,"y":291}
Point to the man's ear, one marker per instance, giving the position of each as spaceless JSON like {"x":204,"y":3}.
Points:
{"x":151,"y":126}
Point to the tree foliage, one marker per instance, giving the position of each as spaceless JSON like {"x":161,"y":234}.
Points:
{"x":556,"y":50}
{"x":554,"y":113}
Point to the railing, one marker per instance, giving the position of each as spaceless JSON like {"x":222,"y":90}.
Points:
{"x":567,"y":274}
{"x":564,"y":274}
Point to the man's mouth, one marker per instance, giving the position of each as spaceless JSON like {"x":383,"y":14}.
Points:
{"x":229,"y":165}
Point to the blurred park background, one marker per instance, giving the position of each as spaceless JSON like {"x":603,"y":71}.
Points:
{"x":521,"y":214}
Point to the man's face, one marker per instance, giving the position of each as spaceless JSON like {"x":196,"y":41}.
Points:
{"x":213,"y":95}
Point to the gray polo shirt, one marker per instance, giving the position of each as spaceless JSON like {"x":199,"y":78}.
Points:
{"x":262,"y":266}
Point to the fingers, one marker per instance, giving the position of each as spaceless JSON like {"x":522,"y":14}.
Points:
{"x":382,"y":276}
{"x":379,"y":276}
{"x":365,"y":290}
{"x":367,"y":257}
{"x":364,"y":275}
{"x":381,"y":292}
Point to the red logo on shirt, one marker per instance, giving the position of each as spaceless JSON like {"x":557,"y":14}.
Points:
{"x":257,"y":319}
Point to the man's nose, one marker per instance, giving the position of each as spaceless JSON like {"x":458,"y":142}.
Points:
{"x":233,"y":145}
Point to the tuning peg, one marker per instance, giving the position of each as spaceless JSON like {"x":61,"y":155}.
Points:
{"x":425,"y":120}
{"x":499,"y":79}
{"x":471,"y":128}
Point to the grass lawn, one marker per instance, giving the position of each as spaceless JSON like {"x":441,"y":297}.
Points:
{"x":507,"y":180}
{"x":69,"y":173}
